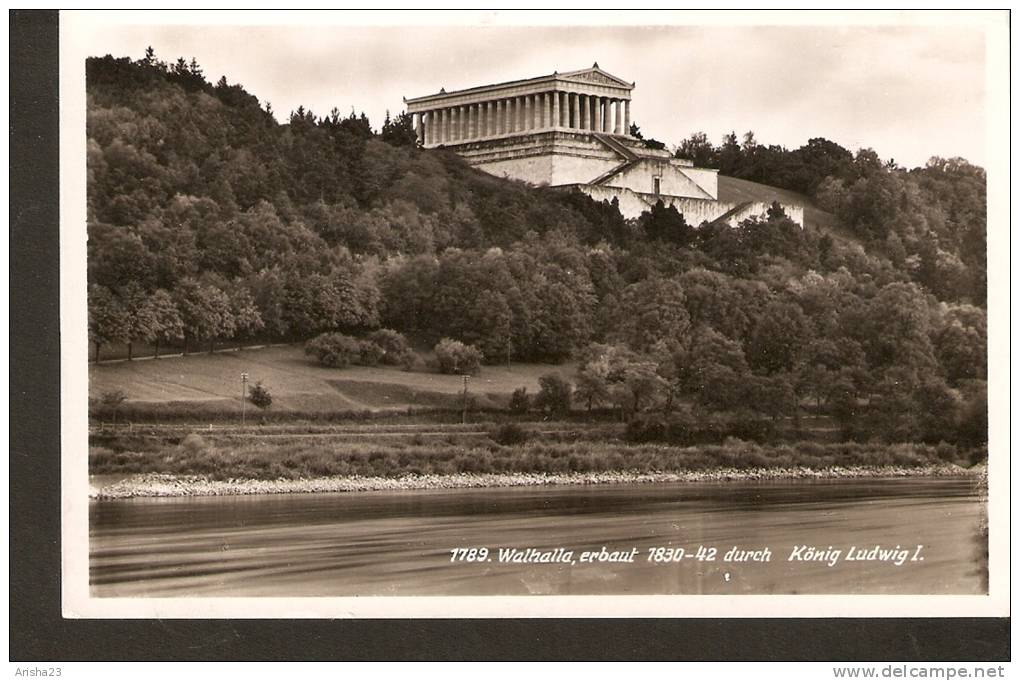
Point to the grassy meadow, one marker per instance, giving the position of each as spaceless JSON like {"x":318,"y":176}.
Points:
{"x":206,"y":384}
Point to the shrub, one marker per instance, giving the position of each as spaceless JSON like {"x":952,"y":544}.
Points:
{"x":703,"y":430}
{"x":510,"y":434}
{"x":194,"y":443}
{"x":455,"y":357}
{"x":112,"y":399}
{"x":410,"y":360}
{"x":519,"y":401}
{"x":645,"y":429}
{"x":393,"y":345}
{"x":554,"y":394}
{"x":334,"y":349}
{"x":260,"y":396}
{"x":369,"y":353}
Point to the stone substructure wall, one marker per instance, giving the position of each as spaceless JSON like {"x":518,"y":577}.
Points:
{"x":553,"y":157}
{"x":695,"y":211}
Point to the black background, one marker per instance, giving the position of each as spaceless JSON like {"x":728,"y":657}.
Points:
{"x":38,"y":633}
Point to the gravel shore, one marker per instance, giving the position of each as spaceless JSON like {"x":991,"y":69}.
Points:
{"x":160,"y":485}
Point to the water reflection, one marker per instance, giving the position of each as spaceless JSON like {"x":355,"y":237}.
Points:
{"x":399,"y":543}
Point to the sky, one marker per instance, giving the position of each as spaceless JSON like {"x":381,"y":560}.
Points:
{"x":909,"y":92}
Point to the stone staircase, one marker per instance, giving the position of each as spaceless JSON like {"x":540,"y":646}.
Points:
{"x":732,"y":211}
{"x":630,"y":158}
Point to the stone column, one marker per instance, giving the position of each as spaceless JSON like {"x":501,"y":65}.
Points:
{"x":426,"y":128}
{"x":607,"y":114}
{"x":585,"y":112}
{"x":555,"y":110}
{"x":626,"y":117}
{"x":564,"y":110}
{"x":575,"y":110}
{"x":486,"y":119}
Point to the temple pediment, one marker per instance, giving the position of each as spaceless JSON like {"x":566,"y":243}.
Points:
{"x":596,"y":75}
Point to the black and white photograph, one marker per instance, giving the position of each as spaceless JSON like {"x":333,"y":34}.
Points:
{"x":522,"y":314}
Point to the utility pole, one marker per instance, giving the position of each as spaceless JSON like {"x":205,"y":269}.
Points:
{"x":463,"y":418}
{"x":244,"y":394}
{"x":509,"y":337}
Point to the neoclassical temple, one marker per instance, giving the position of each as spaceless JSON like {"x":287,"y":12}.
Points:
{"x":572,"y":129}
{"x":589,"y":100}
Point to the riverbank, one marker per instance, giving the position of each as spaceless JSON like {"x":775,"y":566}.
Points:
{"x":163,"y":485}
{"x":405,"y":455}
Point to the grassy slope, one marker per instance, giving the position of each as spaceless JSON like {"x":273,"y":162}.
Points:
{"x":297,"y":383}
{"x":736,"y":190}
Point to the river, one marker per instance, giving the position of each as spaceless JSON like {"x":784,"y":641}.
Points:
{"x":400,"y":543}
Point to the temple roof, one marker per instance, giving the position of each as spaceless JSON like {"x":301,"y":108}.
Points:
{"x":590,"y":76}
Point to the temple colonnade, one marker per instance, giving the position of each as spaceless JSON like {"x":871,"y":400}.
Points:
{"x":504,"y":116}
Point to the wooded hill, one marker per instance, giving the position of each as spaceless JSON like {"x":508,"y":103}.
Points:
{"x":209,"y":220}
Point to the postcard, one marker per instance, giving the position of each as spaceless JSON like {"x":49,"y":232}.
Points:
{"x":519,"y":314}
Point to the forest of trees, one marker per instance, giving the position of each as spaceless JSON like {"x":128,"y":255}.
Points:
{"x":208,"y":221}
